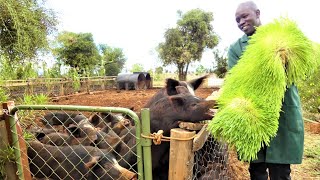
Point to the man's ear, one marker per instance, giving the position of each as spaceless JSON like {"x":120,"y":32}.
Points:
{"x":258,"y":13}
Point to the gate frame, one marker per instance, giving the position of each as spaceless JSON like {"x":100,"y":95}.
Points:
{"x":143,"y":145}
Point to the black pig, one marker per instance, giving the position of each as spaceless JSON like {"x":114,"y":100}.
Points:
{"x":74,"y":162}
{"x":61,"y":118}
{"x":165,"y":114}
{"x":170,"y":88}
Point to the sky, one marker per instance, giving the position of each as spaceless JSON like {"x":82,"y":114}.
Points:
{"x":137,"y":27}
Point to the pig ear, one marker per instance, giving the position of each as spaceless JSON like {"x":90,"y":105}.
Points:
{"x":94,"y":160}
{"x":171,"y":86}
{"x":73,"y":130}
{"x":177,"y":100}
{"x":182,"y":89}
{"x":195,"y":83}
{"x":40,"y":135}
{"x":94,"y":119}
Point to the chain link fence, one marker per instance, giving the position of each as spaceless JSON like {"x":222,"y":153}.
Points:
{"x":71,"y":142}
{"x":77,"y":142}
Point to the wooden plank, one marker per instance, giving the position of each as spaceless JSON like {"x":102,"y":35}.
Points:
{"x":9,"y":167}
{"x":200,"y":139}
{"x":23,"y":148}
{"x":191,"y":126}
{"x":181,"y":157}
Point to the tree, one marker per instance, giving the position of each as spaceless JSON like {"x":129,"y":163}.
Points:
{"x":200,"y":69}
{"x":186,"y":43}
{"x":78,"y":51}
{"x":220,"y":69}
{"x":159,"y":70}
{"x":24,"y":26}
{"x":137,"y":68}
{"x":113,"y":59}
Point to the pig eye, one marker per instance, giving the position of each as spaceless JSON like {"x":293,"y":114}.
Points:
{"x":194,"y":104}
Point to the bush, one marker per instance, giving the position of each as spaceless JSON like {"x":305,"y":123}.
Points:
{"x":309,"y":91}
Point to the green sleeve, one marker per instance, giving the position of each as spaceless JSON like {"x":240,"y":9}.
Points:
{"x":232,"y":57}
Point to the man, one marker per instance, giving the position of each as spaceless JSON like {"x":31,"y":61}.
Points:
{"x":287,"y":147}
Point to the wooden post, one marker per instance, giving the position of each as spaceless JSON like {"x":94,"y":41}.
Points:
{"x":103,"y":83}
{"x":23,"y":148}
{"x":61,"y":92}
{"x":88,"y":85}
{"x":181,"y":155}
{"x":9,"y":167}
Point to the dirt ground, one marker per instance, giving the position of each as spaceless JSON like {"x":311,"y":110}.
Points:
{"x":137,"y":98}
{"x":121,"y":98}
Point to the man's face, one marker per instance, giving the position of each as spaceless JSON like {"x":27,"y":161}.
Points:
{"x":247,"y":19}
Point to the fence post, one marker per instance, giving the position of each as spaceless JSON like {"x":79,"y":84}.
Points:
{"x":103,"y":83}
{"x":29,"y":87}
{"x":181,"y":155}
{"x":146,"y":143}
{"x":61,"y":92}
{"x":88,"y":85}
{"x":9,"y":167}
{"x":17,"y":141}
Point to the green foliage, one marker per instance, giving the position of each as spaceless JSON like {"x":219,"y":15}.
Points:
{"x":26,"y":71}
{"x":112,"y":69}
{"x":221,"y":64}
{"x":186,"y":43}
{"x":4,"y":95}
{"x":53,"y":72}
{"x":201,"y":70}
{"x":19,"y":71}
{"x":6,"y":70}
{"x":278,"y":54}
{"x":73,"y":74}
{"x":113,"y":60}
{"x":78,"y":51}
{"x":309,"y":89}
{"x":137,"y":68}
{"x":159,"y":70}
{"x":310,"y":92}
{"x":6,"y":155}
{"x":24,"y":26}
{"x":34,"y":99}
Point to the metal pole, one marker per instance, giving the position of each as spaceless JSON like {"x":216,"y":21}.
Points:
{"x":146,"y":143}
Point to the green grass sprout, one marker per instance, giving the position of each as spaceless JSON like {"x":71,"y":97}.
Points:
{"x":278,"y":55}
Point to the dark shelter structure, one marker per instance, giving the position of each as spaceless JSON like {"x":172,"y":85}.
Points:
{"x":131,"y":81}
{"x":148,"y":79}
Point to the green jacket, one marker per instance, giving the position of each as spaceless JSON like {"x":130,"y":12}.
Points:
{"x":287,"y":146}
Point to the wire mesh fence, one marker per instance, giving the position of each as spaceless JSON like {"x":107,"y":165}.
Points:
{"x":211,"y":161}
{"x":78,"y":142}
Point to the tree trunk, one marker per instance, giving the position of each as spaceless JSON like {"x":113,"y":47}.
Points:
{"x":182,"y":76}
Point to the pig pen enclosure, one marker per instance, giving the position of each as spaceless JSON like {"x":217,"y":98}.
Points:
{"x":117,"y":149}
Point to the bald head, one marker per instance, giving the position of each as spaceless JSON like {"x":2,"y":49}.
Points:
{"x":249,"y":5}
{"x":248,"y":17}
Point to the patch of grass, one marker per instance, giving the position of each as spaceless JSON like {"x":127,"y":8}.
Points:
{"x":312,"y":154}
{"x":310,"y":167}
{"x":6,"y":155}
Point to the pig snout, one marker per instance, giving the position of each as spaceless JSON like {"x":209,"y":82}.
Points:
{"x":125,"y":173}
